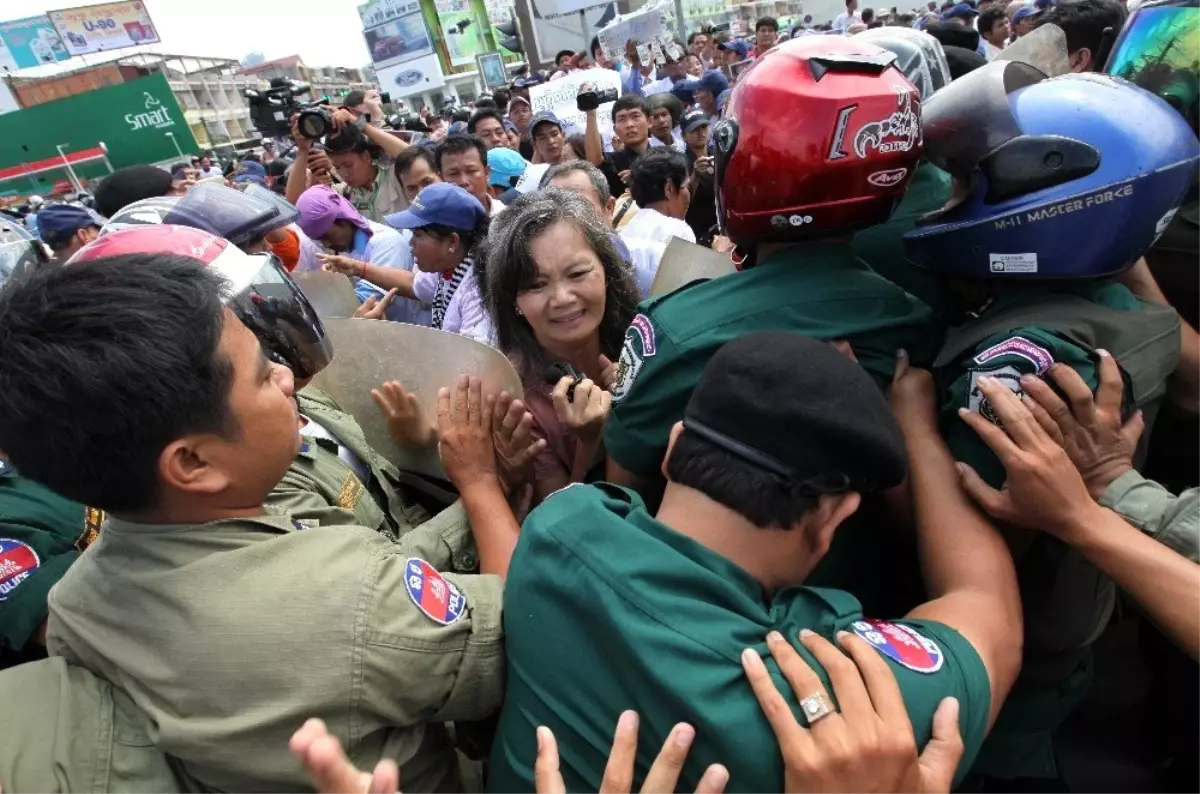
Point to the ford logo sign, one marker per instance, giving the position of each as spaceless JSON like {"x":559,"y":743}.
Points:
{"x":411,"y":77}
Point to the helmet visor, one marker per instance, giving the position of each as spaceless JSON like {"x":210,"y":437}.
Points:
{"x":225,"y":212}
{"x":971,"y":117}
{"x":288,"y":214}
{"x":19,"y":252}
{"x":1159,"y":50}
{"x":271,"y":305}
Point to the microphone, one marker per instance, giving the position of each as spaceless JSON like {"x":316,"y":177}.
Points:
{"x":555,"y":372}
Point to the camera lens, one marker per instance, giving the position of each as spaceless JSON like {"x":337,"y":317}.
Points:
{"x":312,"y":125}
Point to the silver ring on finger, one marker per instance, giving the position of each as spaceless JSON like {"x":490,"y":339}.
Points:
{"x":816,"y":707}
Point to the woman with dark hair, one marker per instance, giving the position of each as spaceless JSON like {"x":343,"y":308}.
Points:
{"x":560,"y":297}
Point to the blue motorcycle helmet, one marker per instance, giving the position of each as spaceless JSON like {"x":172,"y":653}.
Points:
{"x":1063,"y":178}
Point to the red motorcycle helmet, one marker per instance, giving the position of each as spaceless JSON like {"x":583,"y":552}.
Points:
{"x":819,"y":137}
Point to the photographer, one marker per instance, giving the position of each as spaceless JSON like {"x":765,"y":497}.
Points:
{"x":631,"y":126}
{"x":362,"y":155}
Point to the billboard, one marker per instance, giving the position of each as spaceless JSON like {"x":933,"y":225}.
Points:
{"x":29,"y":42}
{"x":109,"y":26}
{"x":132,"y":119}
{"x":412,"y":78}
{"x":398,"y":40}
{"x":461,"y":30}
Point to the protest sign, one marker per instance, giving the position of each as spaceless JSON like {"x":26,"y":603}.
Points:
{"x":558,"y":96}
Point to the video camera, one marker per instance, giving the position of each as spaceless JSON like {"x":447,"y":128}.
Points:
{"x":271,"y":110}
{"x":592,"y":99}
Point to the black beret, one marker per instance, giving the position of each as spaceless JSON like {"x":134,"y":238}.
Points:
{"x":797,"y":407}
{"x":127,"y":185}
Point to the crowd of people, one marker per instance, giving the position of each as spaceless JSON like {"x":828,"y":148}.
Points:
{"x":855,"y":515}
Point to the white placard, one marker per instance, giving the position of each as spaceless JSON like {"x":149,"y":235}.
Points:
{"x":643,"y":27}
{"x":558,"y":96}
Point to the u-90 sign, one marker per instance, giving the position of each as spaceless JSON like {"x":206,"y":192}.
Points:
{"x":108,"y":26}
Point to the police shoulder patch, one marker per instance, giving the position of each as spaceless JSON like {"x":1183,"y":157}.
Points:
{"x":639,"y":345}
{"x":1009,"y":376}
{"x":438,"y":598}
{"x":1040,"y":357}
{"x":904,"y":645}
{"x":18,"y":561}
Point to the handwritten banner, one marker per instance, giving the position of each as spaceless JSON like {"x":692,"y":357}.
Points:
{"x":558,"y":96}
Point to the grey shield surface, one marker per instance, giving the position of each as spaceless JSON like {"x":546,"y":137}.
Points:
{"x":1044,"y":48}
{"x":331,"y":294}
{"x":684,"y":262}
{"x":370,"y":352}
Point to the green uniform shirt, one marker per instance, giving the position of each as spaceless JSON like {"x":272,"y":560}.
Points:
{"x":882,"y":246}
{"x":320,"y":486}
{"x":820,"y":290}
{"x":607,"y":609}
{"x":41,"y":534}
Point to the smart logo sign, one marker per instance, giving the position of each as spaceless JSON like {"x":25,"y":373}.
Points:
{"x":132,"y":119}
{"x":155,"y":115}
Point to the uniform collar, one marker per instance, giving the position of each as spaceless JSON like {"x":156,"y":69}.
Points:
{"x":822,"y":255}
{"x":271,"y":517}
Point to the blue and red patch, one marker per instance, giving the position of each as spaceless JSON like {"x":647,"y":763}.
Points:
{"x":902,"y":644}
{"x":18,"y":561}
{"x":439,"y":599}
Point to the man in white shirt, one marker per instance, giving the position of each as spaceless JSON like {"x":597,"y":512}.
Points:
{"x":846,"y":18}
{"x":207,"y":169}
{"x":993,"y":31}
{"x":660,"y":188}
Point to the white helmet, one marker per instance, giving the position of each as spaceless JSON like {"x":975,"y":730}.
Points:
{"x":36,"y":201}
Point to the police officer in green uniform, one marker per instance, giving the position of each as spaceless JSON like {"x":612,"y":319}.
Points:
{"x":228,"y":622}
{"x":1065,"y":192}
{"x":923,"y":62}
{"x":805,"y":155}
{"x":41,"y":533}
{"x":610,"y":607}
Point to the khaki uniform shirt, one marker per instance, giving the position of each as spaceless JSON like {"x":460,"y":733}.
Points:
{"x":228,"y":635}
{"x":65,"y":729}
{"x":384,"y":197}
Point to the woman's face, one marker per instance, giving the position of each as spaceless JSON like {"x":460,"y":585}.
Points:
{"x":435,"y":254}
{"x":565,"y":303}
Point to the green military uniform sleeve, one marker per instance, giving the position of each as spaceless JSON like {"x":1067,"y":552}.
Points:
{"x":1173,"y":521}
{"x":1006,"y":357}
{"x":654,"y":381}
{"x":442,"y":634}
{"x":41,"y":534}
{"x":66,"y":730}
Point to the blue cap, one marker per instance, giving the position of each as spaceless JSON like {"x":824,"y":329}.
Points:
{"x":722,"y":98}
{"x":961,"y":11}
{"x":457,"y":128}
{"x":1024,"y":13}
{"x":713,"y":81}
{"x":510,"y":127}
{"x":737,"y":45}
{"x":544,"y":117}
{"x":58,"y":222}
{"x":504,"y":164}
{"x":250,"y":171}
{"x":441,"y":203}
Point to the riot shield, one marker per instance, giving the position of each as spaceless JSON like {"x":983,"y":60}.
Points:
{"x":684,"y":262}
{"x":1045,"y":49}
{"x":370,"y":352}
{"x":331,"y":294}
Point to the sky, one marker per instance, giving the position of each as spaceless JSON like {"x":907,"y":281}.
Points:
{"x":325,"y":33}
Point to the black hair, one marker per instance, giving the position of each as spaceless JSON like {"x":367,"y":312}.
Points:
{"x":561,"y":53}
{"x":483,"y":103}
{"x":665,"y":100}
{"x":629,"y":101}
{"x":354,"y":99}
{"x":511,"y":270}
{"x":502,"y":96}
{"x":459,"y":144}
{"x":595,"y":45}
{"x":471,"y":238}
{"x":351,"y":140}
{"x":767,"y":22}
{"x":692,"y":36}
{"x":988,"y":19}
{"x":460,"y":114}
{"x":1084,"y":21}
{"x":762,"y":498}
{"x":650,"y":173}
{"x":103,"y":364}
{"x":277,"y":167}
{"x":578,"y":145}
{"x":127,"y":185}
{"x":410,"y":155}
{"x":868,"y":14}
{"x":485,"y":113}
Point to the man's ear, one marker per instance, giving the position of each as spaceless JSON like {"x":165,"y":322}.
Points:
{"x":821,"y":522}
{"x":610,"y":206}
{"x":676,"y":429}
{"x":189,"y":465}
{"x":1081,"y":60}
